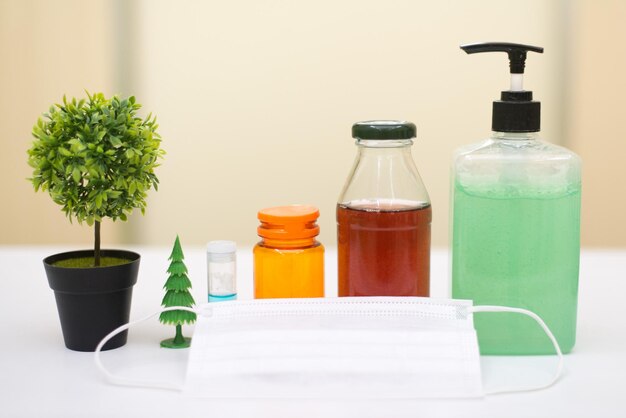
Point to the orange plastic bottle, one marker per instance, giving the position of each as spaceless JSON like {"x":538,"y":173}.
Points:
{"x":288,"y":261}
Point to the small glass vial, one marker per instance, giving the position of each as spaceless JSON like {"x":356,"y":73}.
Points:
{"x":288,"y":261}
{"x":222,"y":270}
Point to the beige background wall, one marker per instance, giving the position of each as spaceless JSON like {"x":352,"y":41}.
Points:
{"x":597,"y":118}
{"x":256,"y":98}
{"x":47,"y":49}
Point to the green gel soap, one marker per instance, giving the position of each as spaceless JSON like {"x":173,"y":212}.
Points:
{"x":520,"y":251}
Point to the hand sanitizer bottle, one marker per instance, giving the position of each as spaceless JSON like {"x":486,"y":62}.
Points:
{"x":516,"y":223}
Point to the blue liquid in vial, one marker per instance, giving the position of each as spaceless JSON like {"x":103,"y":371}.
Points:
{"x":222,"y":298}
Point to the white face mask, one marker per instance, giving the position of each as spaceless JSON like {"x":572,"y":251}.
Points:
{"x":374,"y":347}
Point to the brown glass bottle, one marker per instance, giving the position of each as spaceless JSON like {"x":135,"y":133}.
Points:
{"x":384,"y":251}
{"x":384,"y":217}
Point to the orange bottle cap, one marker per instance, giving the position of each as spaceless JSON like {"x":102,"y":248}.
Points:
{"x":289,"y":222}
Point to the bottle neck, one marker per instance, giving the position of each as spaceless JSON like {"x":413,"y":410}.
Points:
{"x":388,"y":150}
{"x":384,"y":143}
{"x":289,"y":243}
{"x":514,"y":136}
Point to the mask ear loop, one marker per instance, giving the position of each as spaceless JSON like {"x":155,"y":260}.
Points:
{"x":123,"y":381}
{"x":537,"y":318}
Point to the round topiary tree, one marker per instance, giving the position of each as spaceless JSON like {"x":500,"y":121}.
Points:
{"x":96,"y":158}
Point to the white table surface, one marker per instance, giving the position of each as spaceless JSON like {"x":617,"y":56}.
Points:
{"x":41,"y":378}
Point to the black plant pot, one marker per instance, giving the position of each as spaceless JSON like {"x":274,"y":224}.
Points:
{"x":93,"y":301}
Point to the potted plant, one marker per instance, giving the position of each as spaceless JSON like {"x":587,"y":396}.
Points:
{"x":96,"y":158}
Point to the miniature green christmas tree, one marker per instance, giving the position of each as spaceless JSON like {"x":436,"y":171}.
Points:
{"x":177,"y":286}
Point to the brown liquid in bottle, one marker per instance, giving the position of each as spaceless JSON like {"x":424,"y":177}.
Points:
{"x":384,"y":249}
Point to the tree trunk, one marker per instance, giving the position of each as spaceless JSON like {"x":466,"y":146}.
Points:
{"x":179,"y":339}
{"x":96,"y":246}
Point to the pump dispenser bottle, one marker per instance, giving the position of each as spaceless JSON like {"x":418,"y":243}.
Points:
{"x":516,"y":223}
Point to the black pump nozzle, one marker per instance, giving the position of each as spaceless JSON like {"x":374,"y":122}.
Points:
{"x":516,"y":52}
{"x":516,"y":111}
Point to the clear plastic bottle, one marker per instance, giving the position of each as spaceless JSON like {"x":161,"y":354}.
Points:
{"x":516,"y":226}
{"x":288,"y":261}
{"x":222,"y":270}
{"x":384,"y":216}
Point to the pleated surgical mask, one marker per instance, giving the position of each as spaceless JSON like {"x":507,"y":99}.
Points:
{"x":351,"y":347}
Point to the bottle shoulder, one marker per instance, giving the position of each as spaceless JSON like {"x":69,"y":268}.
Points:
{"x":535,"y":149}
{"x":385,"y":174}
{"x":528,"y":167}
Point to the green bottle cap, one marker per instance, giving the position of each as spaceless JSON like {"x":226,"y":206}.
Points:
{"x":383,"y":129}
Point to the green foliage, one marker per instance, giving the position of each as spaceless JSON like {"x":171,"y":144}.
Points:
{"x":177,"y":252}
{"x":178,"y":283}
{"x":177,"y":317}
{"x":95,"y":157}
{"x":177,"y":268}
{"x":177,"y":290}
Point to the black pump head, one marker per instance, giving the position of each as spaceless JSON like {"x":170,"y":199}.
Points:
{"x":516,"y":52}
{"x":516,"y":111}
